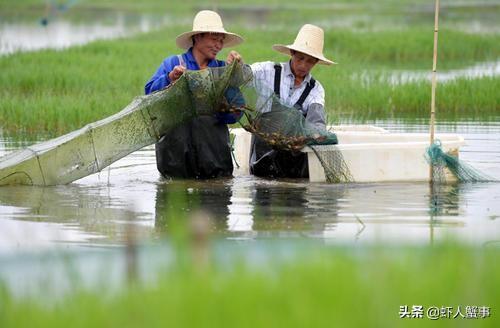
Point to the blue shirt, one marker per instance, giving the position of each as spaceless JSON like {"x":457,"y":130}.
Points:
{"x":160,"y":80}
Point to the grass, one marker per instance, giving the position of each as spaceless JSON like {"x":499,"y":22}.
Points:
{"x":51,"y":92}
{"x":59,"y":91}
{"x":334,"y":287}
{"x":382,"y":13}
{"x":54,"y":92}
{"x":461,"y":99}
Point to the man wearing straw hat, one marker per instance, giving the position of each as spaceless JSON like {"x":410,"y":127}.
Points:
{"x":294,"y":85}
{"x":200,"y":148}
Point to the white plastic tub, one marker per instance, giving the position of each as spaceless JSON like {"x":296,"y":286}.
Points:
{"x":372,"y":154}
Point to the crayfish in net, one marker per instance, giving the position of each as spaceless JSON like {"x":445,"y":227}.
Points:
{"x":225,"y":107}
{"x":281,"y":141}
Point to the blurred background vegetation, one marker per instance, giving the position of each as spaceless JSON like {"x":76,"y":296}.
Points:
{"x":53,"y":91}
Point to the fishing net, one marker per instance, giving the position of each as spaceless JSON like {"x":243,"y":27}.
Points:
{"x":212,"y":91}
{"x":99,"y":144}
{"x":441,"y":163}
{"x":285,"y":128}
{"x":221,"y":90}
{"x":281,"y":126}
{"x":334,"y":165}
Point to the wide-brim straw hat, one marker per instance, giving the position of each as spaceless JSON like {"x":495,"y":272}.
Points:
{"x":309,"y":40}
{"x":207,"y":21}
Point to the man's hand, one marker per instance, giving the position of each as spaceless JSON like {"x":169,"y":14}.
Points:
{"x":233,"y":56}
{"x":176,"y":73}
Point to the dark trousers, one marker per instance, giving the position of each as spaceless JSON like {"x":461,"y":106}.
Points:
{"x":272,"y":163}
{"x":199,"y":149}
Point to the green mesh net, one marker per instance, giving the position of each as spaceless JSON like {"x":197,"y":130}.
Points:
{"x":206,"y":92}
{"x":441,"y":163}
{"x":99,"y":144}
{"x":285,"y":127}
{"x":334,"y":165}
{"x":281,"y":126}
{"x":227,"y":89}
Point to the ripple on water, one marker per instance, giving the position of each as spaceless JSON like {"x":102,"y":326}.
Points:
{"x":95,"y":210}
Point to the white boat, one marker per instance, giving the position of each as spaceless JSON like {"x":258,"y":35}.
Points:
{"x":372,"y":154}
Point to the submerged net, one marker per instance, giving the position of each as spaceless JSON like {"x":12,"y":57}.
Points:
{"x":441,"y":163}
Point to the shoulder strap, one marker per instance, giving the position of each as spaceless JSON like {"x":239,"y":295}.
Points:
{"x":277,"y":79}
{"x":305,"y":93}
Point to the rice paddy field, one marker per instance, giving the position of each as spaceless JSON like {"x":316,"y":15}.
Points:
{"x":124,"y":247}
{"x":66,"y":89}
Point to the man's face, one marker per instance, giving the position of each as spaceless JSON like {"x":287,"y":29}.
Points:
{"x":209,"y":44}
{"x":302,"y":64}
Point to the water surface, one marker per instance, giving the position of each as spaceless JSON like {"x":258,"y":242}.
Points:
{"x":58,"y":28}
{"x":63,"y":32}
{"x":96,"y":210}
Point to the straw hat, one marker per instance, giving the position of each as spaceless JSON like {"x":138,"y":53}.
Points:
{"x":207,"y":21}
{"x":310,"y":41}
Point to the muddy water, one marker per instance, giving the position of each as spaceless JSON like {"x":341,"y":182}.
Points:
{"x":97,"y":210}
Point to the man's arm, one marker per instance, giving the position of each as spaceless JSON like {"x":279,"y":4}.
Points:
{"x":161,"y":78}
{"x":316,"y":109}
{"x":263,"y":75}
{"x":316,"y":115}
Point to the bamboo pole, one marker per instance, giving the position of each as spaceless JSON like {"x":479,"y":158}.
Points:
{"x":434,"y":82}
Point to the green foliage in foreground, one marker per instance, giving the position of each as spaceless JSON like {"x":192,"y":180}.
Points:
{"x":54,"y":92}
{"x":339,"y":287}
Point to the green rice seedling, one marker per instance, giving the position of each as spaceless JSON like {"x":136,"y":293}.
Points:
{"x":53,"y":92}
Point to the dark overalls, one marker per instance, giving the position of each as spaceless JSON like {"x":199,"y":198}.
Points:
{"x":268,"y":162}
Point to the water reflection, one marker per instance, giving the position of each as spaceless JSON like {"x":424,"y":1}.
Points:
{"x":295,"y":208}
{"x":444,"y":199}
{"x":279,"y":207}
{"x":246,"y":207}
{"x":96,"y":210}
{"x":180,"y":199}
{"x":34,"y":216}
